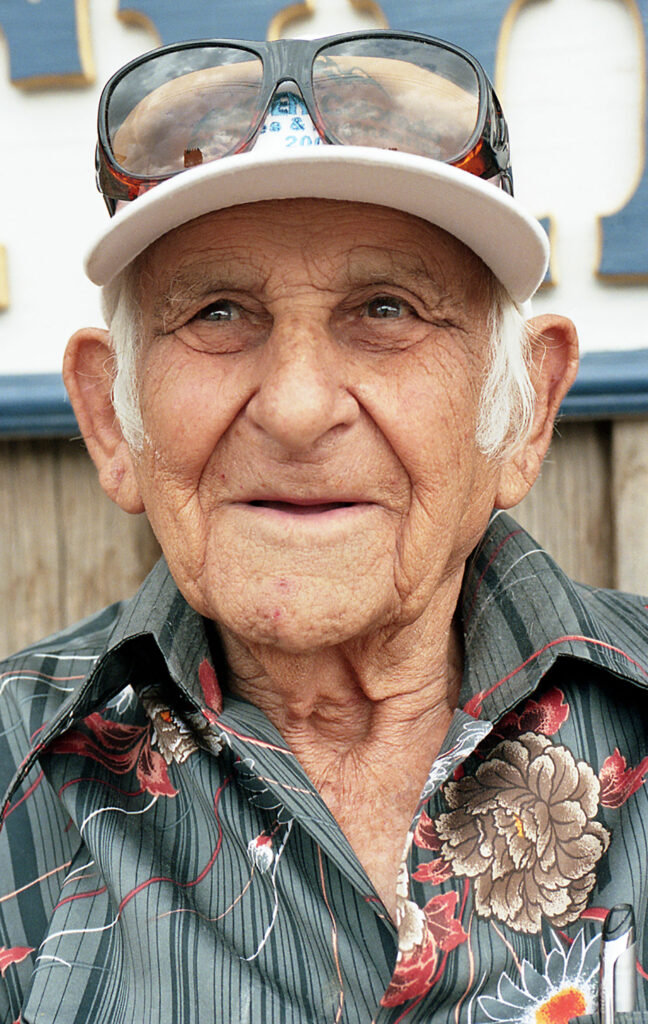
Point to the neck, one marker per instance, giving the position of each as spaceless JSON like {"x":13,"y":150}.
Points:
{"x":365,"y":719}
{"x":376,"y":689}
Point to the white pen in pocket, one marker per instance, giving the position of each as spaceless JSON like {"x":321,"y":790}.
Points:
{"x":618,"y":977}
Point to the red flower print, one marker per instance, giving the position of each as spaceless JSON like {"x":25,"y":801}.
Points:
{"x":434,"y":872}
{"x":119,"y":748}
{"x":618,"y":782}
{"x":13,"y":955}
{"x":416,"y":967}
{"x":446,"y":929}
{"x":152,"y":771}
{"x":544,"y":716}
{"x":425,"y":834}
{"x":211,"y":691}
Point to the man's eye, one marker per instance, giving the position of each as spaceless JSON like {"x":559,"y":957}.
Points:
{"x":221,"y":311}
{"x":386,"y":307}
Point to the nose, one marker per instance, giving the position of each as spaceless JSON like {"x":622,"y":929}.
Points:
{"x":303,"y":395}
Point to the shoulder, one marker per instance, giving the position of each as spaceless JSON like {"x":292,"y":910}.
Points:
{"x":629,"y":608}
{"x":37,"y":843}
{"x":36,"y":681}
{"x":619,"y":621}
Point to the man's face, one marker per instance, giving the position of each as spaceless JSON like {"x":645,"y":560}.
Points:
{"x":309,"y":382}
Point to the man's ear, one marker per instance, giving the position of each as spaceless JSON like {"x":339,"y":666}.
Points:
{"x":88,"y":374}
{"x":554,"y":348}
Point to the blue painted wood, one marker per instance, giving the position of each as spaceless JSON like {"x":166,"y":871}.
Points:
{"x":197,"y":19}
{"x":624,"y":250}
{"x":609,"y":384}
{"x":42,"y":39}
{"x":473,"y":25}
{"x":35,"y":405}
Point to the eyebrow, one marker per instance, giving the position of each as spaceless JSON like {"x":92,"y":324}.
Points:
{"x":371,"y":265}
{"x":195,"y":281}
{"x":198,"y":279}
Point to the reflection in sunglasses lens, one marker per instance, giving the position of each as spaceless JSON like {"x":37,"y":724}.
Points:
{"x":397,"y":94}
{"x":183,"y":109}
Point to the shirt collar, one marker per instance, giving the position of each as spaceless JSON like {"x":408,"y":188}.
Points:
{"x":160,"y":612}
{"x":155,"y":630}
{"x":520,"y":613}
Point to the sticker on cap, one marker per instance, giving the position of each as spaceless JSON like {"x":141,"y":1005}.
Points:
{"x":288,"y":125}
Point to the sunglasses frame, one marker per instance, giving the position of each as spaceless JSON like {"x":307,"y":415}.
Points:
{"x":486,"y":155}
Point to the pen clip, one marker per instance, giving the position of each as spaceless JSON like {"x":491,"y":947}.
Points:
{"x":617,"y":978}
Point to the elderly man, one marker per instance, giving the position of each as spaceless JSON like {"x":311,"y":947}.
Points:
{"x":357,"y":750}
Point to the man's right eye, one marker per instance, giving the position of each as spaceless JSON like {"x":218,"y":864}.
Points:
{"x":221,"y":311}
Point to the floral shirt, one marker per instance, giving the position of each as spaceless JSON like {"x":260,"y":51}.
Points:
{"x":165,"y":858}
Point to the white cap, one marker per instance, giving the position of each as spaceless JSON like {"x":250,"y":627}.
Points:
{"x":290,"y":161}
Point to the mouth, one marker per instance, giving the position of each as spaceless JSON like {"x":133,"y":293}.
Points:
{"x":302,"y":508}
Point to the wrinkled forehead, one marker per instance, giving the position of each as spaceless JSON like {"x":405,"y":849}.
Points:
{"x":332,"y":245}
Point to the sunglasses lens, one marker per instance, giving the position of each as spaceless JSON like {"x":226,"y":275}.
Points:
{"x":180,"y":109}
{"x":397,"y":94}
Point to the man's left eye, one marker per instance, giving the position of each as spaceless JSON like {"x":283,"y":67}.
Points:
{"x":386,"y":307}
{"x":218,"y":312}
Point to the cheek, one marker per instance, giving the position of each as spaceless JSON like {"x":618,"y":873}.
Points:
{"x":188,"y":402}
{"x":430,"y":421}
{"x":429,"y":414}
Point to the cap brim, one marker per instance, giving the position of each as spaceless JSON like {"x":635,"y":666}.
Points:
{"x":494,"y":225}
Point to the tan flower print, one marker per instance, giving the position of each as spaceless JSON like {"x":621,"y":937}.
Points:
{"x":173,"y":738}
{"x":522,"y":827}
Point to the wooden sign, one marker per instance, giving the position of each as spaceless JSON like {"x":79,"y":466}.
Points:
{"x":173,"y":21}
{"x":49,"y":42}
{"x":49,"y":45}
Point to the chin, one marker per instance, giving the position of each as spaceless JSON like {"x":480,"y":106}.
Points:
{"x":297,"y":634}
{"x":298,"y":603}
{"x":299,"y":626}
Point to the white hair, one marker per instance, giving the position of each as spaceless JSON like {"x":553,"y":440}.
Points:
{"x":121,"y":310}
{"x":507,"y":400}
{"x":507,"y":397}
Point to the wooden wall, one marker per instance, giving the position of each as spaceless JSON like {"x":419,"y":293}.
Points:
{"x":66,"y":551}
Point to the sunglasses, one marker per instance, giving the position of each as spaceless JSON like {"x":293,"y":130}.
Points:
{"x":191,"y":103}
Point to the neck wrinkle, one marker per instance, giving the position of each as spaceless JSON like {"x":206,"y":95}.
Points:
{"x":372,"y":692}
